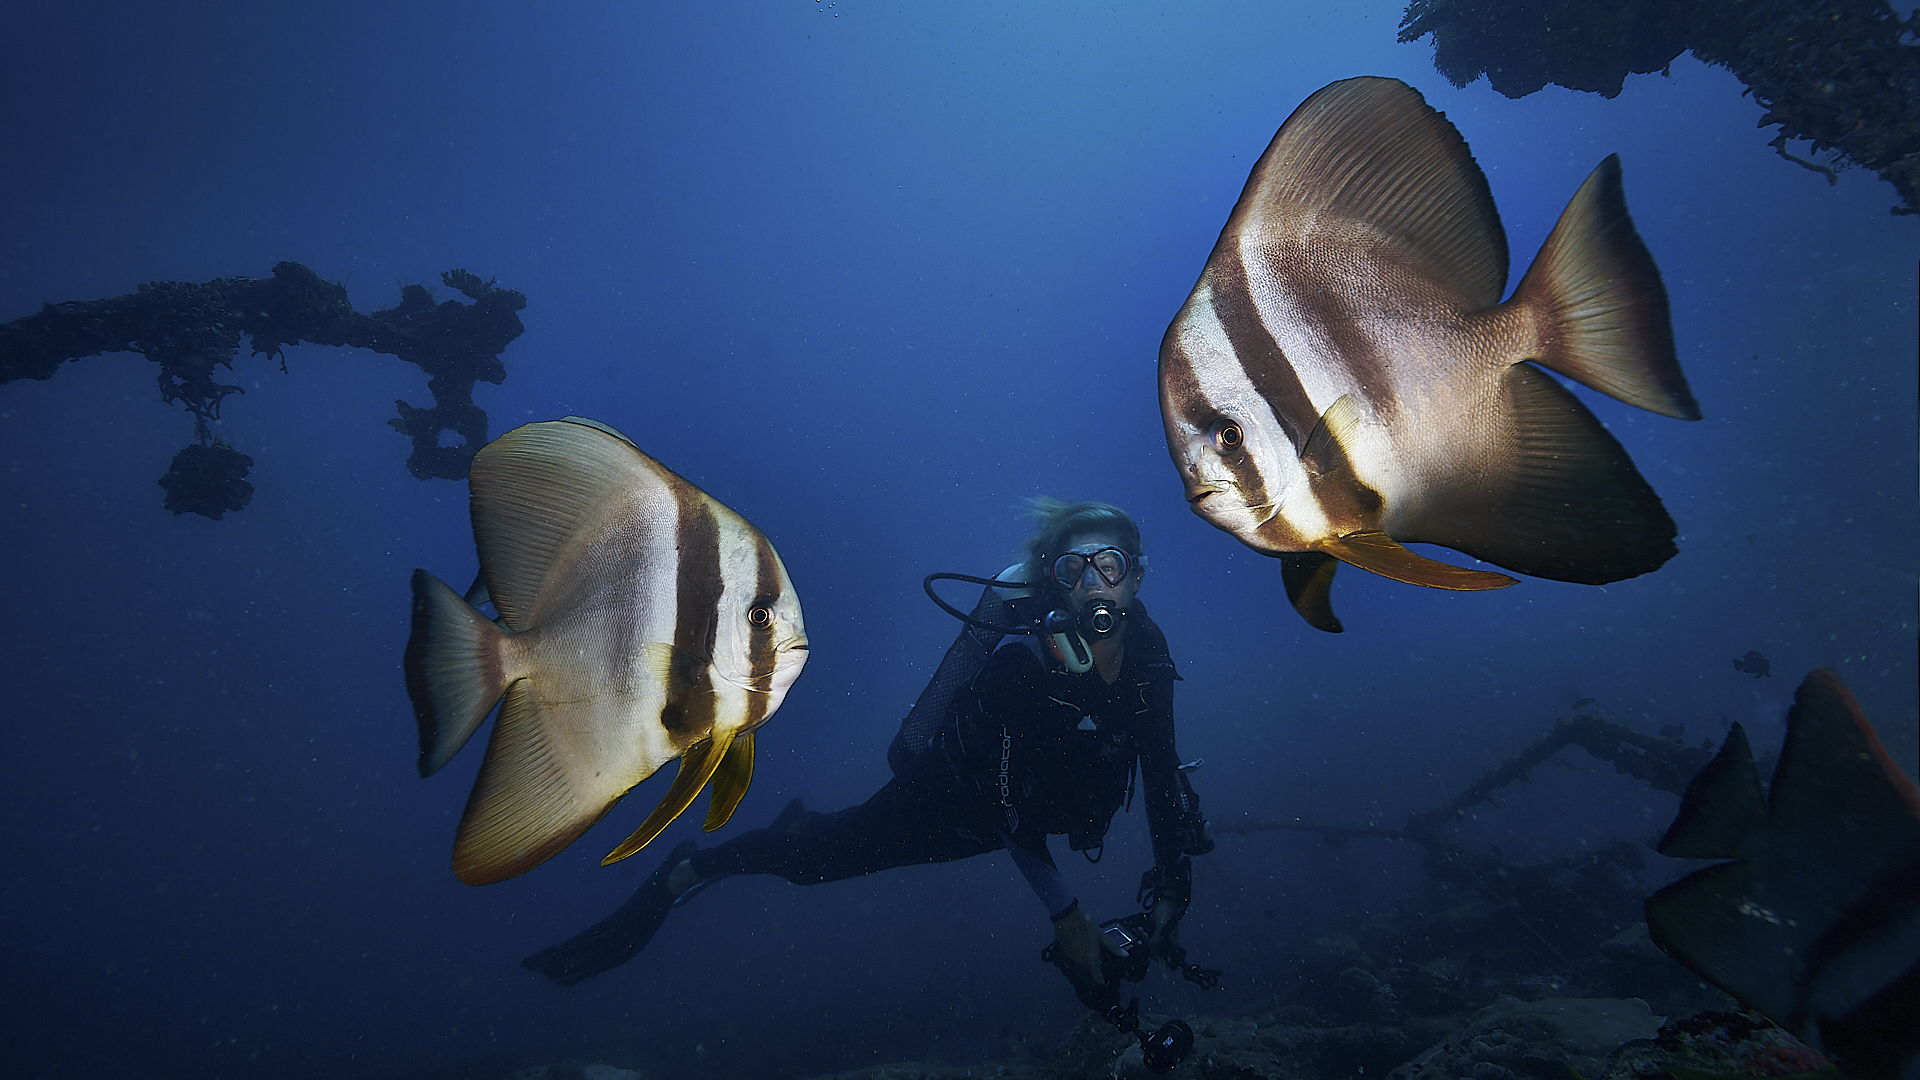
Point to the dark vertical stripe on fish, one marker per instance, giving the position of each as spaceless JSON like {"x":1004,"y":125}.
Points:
{"x":1259,"y":355}
{"x":761,"y":650}
{"x":697,"y":586}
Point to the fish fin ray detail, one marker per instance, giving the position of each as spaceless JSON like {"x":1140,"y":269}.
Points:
{"x":1558,"y":498}
{"x":1600,"y":307}
{"x":533,"y":797}
{"x":538,"y":493}
{"x":453,"y":669}
{"x":1371,"y":151}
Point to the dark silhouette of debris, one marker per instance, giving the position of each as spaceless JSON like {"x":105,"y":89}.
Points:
{"x":190,"y":329}
{"x":1842,"y":74}
{"x":208,"y":480}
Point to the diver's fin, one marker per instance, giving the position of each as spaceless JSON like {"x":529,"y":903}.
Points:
{"x":1723,"y":804}
{"x":620,"y":936}
{"x":730,"y":781}
{"x":697,"y":766}
{"x":1308,"y":577}
{"x":1558,"y":497}
{"x":1599,"y":305}
{"x":453,"y":669}
{"x":1378,"y":553}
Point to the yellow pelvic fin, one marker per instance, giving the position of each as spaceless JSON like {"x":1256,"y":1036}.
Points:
{"x":1378,"y":553}
{"x":697,"y":766}
{"x":730,"y":781}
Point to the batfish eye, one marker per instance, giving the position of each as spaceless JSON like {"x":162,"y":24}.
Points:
{"x":760,"y":617}
{"x":1228,"y":437}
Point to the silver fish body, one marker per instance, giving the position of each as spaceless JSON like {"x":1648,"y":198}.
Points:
{"x":640,"y":621}
{"x":1344,"y":379}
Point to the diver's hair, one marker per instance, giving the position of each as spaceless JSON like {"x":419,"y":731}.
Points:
{"x":1060,"y":520}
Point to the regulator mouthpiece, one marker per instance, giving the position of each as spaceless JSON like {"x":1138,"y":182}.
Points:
{"x":1099,"y":619}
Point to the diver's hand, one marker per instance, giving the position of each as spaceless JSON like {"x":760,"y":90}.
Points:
{"x":1164,"y":944}
{"x":1080,"y":942}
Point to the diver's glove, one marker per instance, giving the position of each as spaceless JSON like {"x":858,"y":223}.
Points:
{"x":1165,"y":891}
{"x":1080,"y":942}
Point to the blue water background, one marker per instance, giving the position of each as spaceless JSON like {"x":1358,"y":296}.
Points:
{"x":870,"y":274}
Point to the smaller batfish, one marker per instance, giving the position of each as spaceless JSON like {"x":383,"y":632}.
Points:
{"x":1345,"y":379}
{"x":1817,"y":923}
{"x":640,"y":621}
{"x":1755,"y":663}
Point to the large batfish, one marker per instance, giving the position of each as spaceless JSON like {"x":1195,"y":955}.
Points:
{"x":1817,"y":922}
{"x":640,"y":621}
{"x":1344,"y":379}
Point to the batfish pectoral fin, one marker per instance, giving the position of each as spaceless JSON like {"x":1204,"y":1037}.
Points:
{"x":1377,"y":552}
{"x":1308,"y":577}
{"x":697,"y":766}
{"x":730,"y":781}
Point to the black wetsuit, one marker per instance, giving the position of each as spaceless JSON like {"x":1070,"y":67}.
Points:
{"x":1030,"y":750}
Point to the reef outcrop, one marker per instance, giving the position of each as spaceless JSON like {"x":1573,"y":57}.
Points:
{"x":191,"y":329}
{"x":1842,"y":74}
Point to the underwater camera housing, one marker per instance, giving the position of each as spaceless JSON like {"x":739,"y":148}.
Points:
{"x":1169,"y":1044}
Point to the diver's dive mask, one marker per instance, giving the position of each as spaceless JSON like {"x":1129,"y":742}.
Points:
{"x":1112,"y":564}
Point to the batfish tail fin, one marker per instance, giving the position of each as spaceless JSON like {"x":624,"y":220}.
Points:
{"x":697,"y":766}
{"x":1598,"y":306}
{"x":453,"y":668}
{"x":1379,"y":553}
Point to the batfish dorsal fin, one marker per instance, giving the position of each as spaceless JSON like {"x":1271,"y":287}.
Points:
{"x":730,"y":782}
{"x":1377,"y":552}
{"x":1596,"y":291}
{"x":1371,"y":154}
{"x":597,"y":425}
{"x":536,"y":492}
{"x":1723,"y":804}
{"x":1833,"y":762}
{"x":1557,"y":498}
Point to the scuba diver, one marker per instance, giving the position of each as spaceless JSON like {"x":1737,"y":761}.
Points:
{"x":1006,"y":747}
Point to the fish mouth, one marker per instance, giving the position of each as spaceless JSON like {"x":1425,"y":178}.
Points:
{"x":1198,"y":495}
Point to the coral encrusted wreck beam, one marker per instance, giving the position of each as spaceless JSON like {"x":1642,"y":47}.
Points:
{"x":191,"y":328}
{"x":1842,"y":74}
